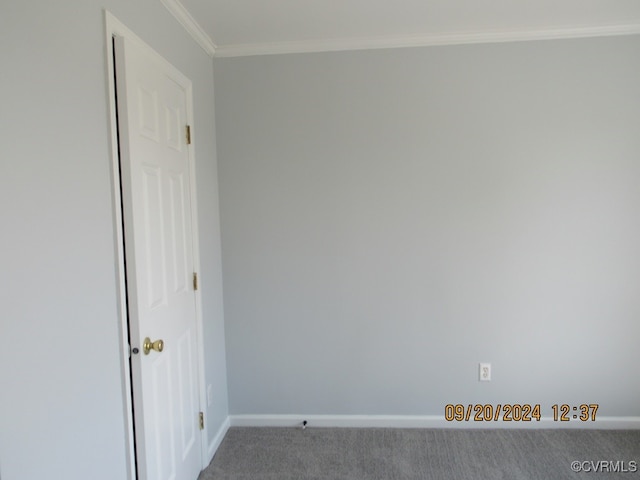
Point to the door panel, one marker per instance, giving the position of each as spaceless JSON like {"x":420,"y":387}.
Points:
{"x":155,"y":172}
{"x":178,"y":228}
{"x":153,"y":248}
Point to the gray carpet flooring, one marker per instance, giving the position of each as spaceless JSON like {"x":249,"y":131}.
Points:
{"x":390,"y":454}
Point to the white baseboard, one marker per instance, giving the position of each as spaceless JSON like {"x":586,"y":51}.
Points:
{"x":421,"y":421}
{"x":217,"y":440}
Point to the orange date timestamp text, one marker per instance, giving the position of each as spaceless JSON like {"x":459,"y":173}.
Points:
{"x":515,"y":412}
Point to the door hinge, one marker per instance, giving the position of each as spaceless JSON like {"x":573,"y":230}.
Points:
{"x":195,"y":281}
{"x":188,"y":134}
{"x":201,"y":418}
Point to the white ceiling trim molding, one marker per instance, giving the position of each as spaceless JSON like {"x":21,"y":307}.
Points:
{"x":181,"y":14}
{"x":334,"y":45}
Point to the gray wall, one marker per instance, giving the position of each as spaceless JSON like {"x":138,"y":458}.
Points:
{"x":61,"y":398}
{"x":391,"y":218}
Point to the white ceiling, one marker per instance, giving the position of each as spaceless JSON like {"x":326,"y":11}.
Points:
{"x":273,"y":26}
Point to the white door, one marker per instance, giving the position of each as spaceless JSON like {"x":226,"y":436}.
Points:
{"x":152,"y":116}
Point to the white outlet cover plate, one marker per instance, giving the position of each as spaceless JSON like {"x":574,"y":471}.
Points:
{"x":484,"y":372}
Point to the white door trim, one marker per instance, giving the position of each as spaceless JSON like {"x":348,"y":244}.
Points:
{"x":113,"y":27}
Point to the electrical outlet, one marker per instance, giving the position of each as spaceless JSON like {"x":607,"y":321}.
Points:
{"x":484,"y":372}
{"x":210,"y":395}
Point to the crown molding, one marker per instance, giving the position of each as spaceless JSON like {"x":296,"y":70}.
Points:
{"x":185,"y":19}
{"x":368,"y":43}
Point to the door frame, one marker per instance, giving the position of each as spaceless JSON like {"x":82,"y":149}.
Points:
{"x":115,"y":28}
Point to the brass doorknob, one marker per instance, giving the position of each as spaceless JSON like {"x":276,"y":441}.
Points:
{"x":148,"y":345}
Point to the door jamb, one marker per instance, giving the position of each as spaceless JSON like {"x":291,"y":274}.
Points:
{"x":113,"y":27}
